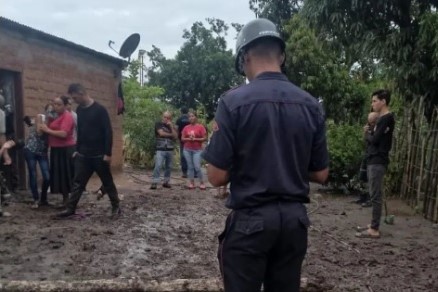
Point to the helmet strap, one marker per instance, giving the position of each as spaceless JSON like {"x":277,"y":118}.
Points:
{"x":241,"y":61}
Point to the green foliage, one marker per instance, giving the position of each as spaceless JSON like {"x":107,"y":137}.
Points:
{"x":278,"y":11}
{"x":346,"y":149}
{"x":315,"y":66}
{"x":201,"y":71}
{"x":399,"y":34}
{"x":143,"y":110}
{"x":133,"y":70}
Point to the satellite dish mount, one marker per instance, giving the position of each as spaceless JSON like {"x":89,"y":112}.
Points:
{"x":128,"y":47}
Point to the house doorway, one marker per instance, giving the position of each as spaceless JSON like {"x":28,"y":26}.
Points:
{"x":12,"y":90}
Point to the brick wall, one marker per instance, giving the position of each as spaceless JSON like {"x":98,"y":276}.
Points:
{"x":47,"y":69}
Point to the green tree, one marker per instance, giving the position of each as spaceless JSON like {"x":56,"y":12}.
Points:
{"x":143,"y":109}
{"x":133,"y":70}
{"x":399,"y":34}
{"x":278,"y":11}
{"x":315,"y":66}
{"x":200,"y":72}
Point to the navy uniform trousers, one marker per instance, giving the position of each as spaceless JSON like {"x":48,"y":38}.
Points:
{"x":265,"y":244}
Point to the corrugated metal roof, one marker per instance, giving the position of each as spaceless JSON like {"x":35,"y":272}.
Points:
{"x":24,"y":29}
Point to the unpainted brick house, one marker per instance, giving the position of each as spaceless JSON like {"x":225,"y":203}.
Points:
{"x":35,"y":67}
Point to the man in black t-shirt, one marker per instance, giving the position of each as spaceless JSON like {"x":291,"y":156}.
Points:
{"x":165,"y":135}
{"x":268,"y":141}
{"x":379,"y":142}
{"x":181,"y":122}
{"x":93,"y":150}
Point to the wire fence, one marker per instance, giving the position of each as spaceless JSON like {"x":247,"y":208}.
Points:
{"x":413,"y":172}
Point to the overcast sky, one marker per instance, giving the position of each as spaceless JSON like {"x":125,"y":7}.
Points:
{"x":92,"y":23}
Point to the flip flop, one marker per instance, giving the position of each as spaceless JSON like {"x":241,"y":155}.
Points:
{"x":362,"y":228}
{"x":202,"y":187}
{"x":365,"y":234}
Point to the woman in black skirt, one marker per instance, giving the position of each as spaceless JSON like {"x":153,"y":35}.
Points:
{"x":62,"y":146}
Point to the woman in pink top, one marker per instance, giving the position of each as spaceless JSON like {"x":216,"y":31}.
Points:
{"x":62,"y":146}
{"x":194,"y":135}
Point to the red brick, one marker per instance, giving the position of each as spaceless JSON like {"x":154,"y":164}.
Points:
{"x":47,"y":70}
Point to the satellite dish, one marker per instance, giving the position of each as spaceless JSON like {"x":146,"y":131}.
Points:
{"x":128,"y":47}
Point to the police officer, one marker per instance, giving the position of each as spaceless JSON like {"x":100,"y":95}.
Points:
{"x":268,"y":142}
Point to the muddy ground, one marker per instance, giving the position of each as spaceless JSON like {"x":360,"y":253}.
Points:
{"x":167,"y":235}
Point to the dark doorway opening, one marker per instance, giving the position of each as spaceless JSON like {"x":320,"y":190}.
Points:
{"x":12,"y":90}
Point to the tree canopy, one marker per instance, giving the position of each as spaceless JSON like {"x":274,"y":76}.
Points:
{"x":201,"y":71}
{"x":402,"y":35}
{"x":314,"y":65}
{"x":278,"y":11}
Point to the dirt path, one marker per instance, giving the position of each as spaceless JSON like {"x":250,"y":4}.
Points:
{"x":168,"y":235}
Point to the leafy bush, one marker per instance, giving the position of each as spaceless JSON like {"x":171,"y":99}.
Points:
{"x":143,"y":110}
{"x":346,"y":149}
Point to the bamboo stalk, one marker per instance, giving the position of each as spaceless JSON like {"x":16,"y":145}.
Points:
{"x":408,"y":153}
{"x":428,"y":201}
{"x":418,"y":153}
{"x":407,"y":171}
{"x":422,"y":158}
{"x":434,"y":195}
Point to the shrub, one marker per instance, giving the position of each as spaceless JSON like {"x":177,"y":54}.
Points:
{"x":346,"y":149}
{"x":143,"y":110}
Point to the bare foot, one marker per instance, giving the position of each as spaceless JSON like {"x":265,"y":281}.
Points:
{"x":369,"y":233}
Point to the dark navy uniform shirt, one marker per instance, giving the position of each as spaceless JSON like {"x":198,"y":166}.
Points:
{"x":270,"y":134}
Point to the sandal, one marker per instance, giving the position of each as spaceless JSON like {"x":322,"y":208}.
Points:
{"x":190,"y":186}
{"x":202,"y":187}
{"x":366,"y":234}
{"x":362,"y":228}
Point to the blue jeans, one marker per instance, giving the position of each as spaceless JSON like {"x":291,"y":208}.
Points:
{"x":31,"y":160}
{"x":193,"y":158}
{"x":160,"y":157}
